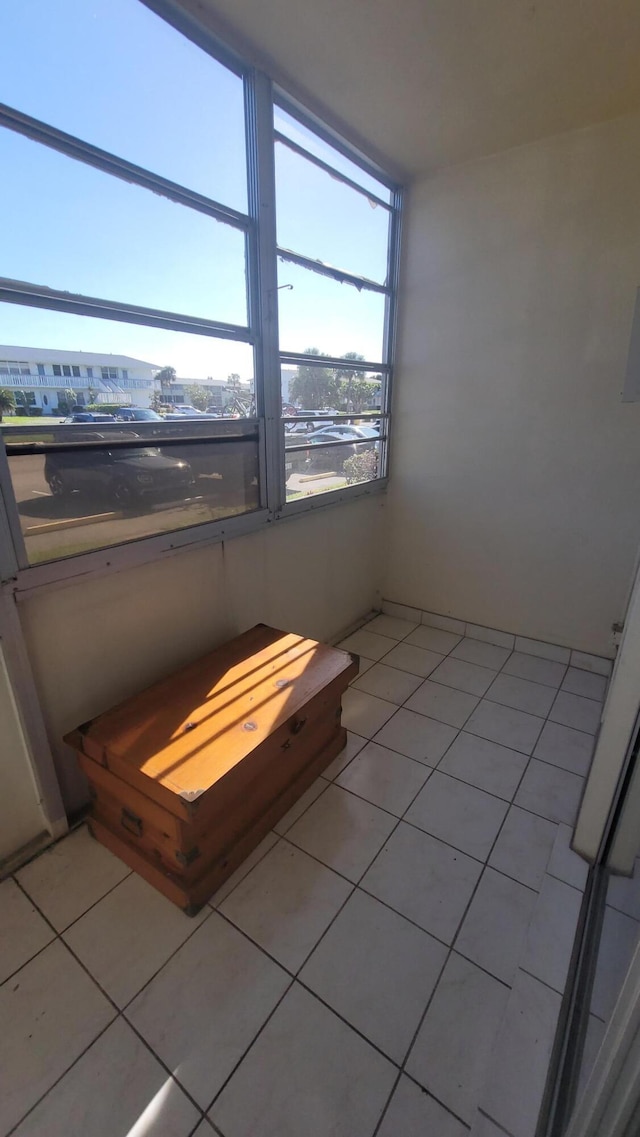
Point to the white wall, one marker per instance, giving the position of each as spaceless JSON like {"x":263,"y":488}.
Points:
{"x":515,"y":492}
{"x":21,"y":816}
{"x":96,"y":642}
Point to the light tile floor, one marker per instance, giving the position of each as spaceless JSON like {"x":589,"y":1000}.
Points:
{"x":388,"y":962}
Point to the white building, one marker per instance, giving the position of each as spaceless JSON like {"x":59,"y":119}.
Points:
{"x":218,"y":391}
{"x":42,"y":377}
{"x":287,"y":374}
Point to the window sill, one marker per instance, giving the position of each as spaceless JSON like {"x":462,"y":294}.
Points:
{"x":118,"y":558}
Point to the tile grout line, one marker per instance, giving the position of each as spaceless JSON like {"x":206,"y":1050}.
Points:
{"x":387,"y":1103}
{"x":249,"y":1045}
{"x":119,"y":1011}
{"x":295,"y":977}
{"x":501,"y":1128}
{"x":545,"y":719}
{"x":529,"y":756}
{"x":497,"y":672}
{"x":518,"y":968}
{"x":437,"y":981}
{"x":461,"y":730}
{"x":514,"y":635}
{"x":94,"y":903}
{"x":61,"y":1077}
{"x":215,"y":907}
{"x":462,"y":918}
{"x":428,"y":833}
{"x":385,"y":904}
{"x":509,"y":802}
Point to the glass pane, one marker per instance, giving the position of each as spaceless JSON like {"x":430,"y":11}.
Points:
{"x":335,"y":455}
{"x":91,"y":485}
{"x":325,"y":219}
{"x":116,"y":75}
{"x":186,"y":399}
{"x":317,"y":312}
{"x":175,"y":368}
{"x":94,"y":234}
{"x":619,"y":940}
{"x":294,"y":130}
{"x":310,"y":389}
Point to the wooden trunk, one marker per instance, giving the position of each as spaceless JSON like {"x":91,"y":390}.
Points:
{"x":187,"y":777}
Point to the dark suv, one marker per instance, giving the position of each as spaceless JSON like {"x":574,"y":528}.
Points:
{"x":125,"y":475}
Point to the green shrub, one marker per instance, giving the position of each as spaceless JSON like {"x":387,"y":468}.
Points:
{"x":106,"y":408}
{"x":361,"y":467}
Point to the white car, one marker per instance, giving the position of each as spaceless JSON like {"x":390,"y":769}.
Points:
{"x":186,"y":409}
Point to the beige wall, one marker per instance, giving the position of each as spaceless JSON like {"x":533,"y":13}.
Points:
{"x":515,"y":493}
{"x":93,"y":643}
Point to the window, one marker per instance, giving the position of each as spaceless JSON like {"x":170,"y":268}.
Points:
{"x":25,"y":399}
{"x":210,"y":258}
{"x":337,"y":236}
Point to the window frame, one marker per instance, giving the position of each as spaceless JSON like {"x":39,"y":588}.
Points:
{"x":262,"y":256}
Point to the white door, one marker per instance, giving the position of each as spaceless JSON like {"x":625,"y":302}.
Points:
{"x":619,"y":718}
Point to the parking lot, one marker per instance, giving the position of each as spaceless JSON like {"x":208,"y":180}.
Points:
{"x":62,"y":526}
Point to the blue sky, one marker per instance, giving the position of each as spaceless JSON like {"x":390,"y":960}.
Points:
{"x":113,"y":73}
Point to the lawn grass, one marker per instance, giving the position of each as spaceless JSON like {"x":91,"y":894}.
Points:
{"x":31,"y":420}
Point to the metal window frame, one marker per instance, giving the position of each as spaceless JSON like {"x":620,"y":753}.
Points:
{"x":389,"y":290}
{"x":54,"y":299}
{"x":261,"y":260}
{"x":109,"y":163}
{"x":329,"y":169}
{"x":341,"y":275}
{"x":332,"y":138}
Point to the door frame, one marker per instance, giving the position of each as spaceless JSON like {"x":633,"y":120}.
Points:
{"x":27,"y":703}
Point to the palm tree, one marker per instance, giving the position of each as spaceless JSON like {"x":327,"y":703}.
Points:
{"x":165,"y":377}
{"x":7,"y":401}
{"x":348,"y":375}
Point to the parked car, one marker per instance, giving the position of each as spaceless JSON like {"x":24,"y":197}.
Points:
{"x":88,"y":416}
{"x":121,"y":474}
{"x":356,"y":440}
{"x":137,"y":414}
{"x":179,"y":414}
{"x":305,"y":426}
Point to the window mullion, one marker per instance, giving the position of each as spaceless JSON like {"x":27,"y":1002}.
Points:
{"x":13,"y":554}
{"x":263,"y":277}
{"x":390,"y":323}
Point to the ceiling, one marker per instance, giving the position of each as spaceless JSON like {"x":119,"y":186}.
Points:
{"x":424,"y":84}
